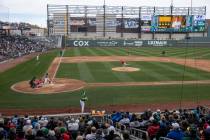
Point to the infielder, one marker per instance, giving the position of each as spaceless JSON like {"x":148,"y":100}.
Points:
{"x":37,"y":57}
{"x":82,"y":101}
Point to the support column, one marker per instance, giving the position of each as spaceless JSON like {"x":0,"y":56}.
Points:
{"x":139,"y":29}
{"x":122,"y":23}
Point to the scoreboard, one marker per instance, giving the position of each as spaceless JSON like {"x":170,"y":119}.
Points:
{"x":178,"y":23}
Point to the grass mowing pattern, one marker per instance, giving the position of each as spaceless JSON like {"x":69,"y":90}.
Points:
{"x":104,"y":96}
{"x":193,"y":52}
{"x":150,"y":71}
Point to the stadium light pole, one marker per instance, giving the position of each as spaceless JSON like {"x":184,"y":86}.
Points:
{"x":191,"y":6}
{"x":172,"y":2}
{"x":104,"y":28}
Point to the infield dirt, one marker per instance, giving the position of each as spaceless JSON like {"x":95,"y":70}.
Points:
{"x":68,"y":85}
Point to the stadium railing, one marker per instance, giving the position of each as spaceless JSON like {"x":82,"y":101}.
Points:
{"x":164,"y":138}
{"x":140,"y":134}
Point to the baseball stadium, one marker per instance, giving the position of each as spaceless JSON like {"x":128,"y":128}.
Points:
{"x":107,"y":73}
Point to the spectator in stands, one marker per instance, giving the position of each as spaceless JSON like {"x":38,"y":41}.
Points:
{"x":164,"y":128}
{"x":27,"y":126}
{"x":92,"y":135}
{"x":79,"y":138}
{"x":64,"y":134}
{"x":175,"y":133}
{"x":20,"y":136}
{"x":153,"y":129}
{"x":184,"y":125}
{"x":125,"y":120}
{"x":51,"y":135}
{"x":111,"y":135}
{"x":207,"y":133}
{"x":16,"y":46}
{"x":100,"y":135}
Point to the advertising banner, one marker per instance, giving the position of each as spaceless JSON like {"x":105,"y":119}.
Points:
{"x":146,"y":17}
{"x":199,"y":23}
{"x":107,"y":43}
{"x":133,"y":43}
{"x":164,"y":19}
{"x":157,"y":43}
{"x":146,"y":23}
{"x":92,"y":22}
{"x":145,"y":28}
{"x":164,"y":22}
{"x":77,"y":22}
{"x":178,"y":22}
{"x":112,"y":23}
{"x":121,"y":43}
{"x":131,"y":23}
{"x":189,"y":23}
{"x":199,"y":18}
{"x":154,"y":24}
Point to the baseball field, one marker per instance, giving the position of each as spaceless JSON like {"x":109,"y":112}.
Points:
{"x":180,"y":78}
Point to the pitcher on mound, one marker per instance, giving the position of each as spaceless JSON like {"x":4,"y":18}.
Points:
{"x":123,"y":63}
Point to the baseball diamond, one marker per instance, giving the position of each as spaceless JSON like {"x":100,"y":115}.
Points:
{"x":102,"y":72}
{"x":160,"y":79}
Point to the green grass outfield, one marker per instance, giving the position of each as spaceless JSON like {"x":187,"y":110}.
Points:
{"x":95,"y":72}
{"x":108,"y":95}
{"x":182,"y":52}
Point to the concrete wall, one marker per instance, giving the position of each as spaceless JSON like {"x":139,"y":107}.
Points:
{"x":160,"y":36}
{"x":144,"y":36}
{"x":130,"y":35}
{"x":196,"y":34}
{"x":178,"y":36}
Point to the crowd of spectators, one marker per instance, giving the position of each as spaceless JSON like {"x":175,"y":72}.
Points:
{"x":177,"y":125}
{"x":16,"y":46}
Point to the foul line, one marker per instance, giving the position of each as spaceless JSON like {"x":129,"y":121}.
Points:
{"x":158,"y":83}
{"x":58,"y":66}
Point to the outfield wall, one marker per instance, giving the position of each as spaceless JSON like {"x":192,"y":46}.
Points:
{"x":192,"y":42}
{"x":118,"y":43}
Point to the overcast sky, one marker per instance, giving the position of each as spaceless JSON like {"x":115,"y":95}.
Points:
{"x":34,"y":11}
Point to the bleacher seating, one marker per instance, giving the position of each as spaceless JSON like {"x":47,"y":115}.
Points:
{"x":180,"y":124}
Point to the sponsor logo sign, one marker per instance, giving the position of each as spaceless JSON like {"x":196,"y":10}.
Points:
{"x":133,"y":43}
{"x":77,"y":22}
{"x":157,"y":43}
{"x":80,"y":43}
{"x":199,"y":17}
{"x":107,"y":43}
{"x":138,"y":43}
{"x":146,"y":17}
{"x":145,"y":28}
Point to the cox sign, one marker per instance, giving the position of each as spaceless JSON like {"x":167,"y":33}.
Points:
{"x":81,"y":43}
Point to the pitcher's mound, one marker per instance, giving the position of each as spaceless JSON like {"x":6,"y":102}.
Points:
{"x":59,"y":85}
{"x":125,"y":69}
